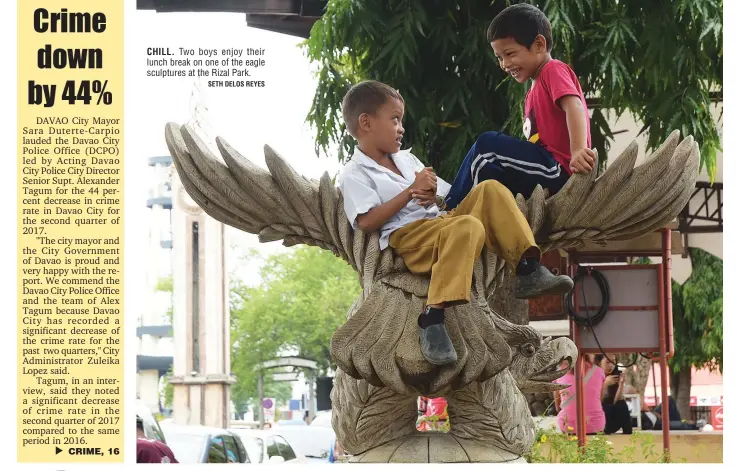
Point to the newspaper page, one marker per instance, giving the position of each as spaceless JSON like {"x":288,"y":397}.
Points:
{"x":70,"y":239}
{"x":317,"y":232}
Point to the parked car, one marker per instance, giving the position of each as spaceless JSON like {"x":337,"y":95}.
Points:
{"x":312,"y":442}
{"x":323,"y":419}
{"x":291,"y":422}
{"x":194,"y":444}
{"x":151,"y":427}
{"x":268,"y":446}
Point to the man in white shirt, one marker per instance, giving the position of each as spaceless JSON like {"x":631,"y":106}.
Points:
{"x":390,"y":190}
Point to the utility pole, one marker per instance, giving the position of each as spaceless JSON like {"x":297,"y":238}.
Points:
{"x":312,"y":407}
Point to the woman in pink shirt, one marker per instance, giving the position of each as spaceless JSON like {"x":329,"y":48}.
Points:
{"x":565,"y":401}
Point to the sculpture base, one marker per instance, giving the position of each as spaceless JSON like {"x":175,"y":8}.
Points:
{"x":436,"y":447}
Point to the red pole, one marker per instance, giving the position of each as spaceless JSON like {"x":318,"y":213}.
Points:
{"x":663,"y":364}
{"x":667,"y":265}
{"x":579,"y":394}
{"x":579,"y":374}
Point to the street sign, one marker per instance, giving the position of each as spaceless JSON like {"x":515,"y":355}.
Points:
{"x":716,"y":417}
{"x":290,"y":361}
{"x":269,"y":409}
{"x":285,"y":376}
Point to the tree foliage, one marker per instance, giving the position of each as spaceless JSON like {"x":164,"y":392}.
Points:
{"x":658,"y":59}
{"x":697,"y":312}
{"x":166,"y":285}
{"x":303,"y":299}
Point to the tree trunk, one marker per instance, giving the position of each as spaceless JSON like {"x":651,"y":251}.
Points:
{"x":504,"y":303}
{"x":681,"y":391}
{"x":637,"y":374}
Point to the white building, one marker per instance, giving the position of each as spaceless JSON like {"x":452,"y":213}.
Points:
{"x":154,"y":330}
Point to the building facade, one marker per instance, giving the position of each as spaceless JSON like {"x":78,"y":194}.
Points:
{"x":154,"y":327}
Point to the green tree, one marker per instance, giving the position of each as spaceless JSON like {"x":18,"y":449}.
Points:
{"x":244,"y":397}
{"x":166,"y":285}
{"x":304,"y":297}
{"x":660,"y":60}
{"x":697,"y":312}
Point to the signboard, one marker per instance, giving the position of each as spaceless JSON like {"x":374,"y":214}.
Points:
{"x":295,"y":404}
{"x":277,"y":377}
{"x":269,"y":409}
{"x":695,"y":401}
{"x":716,"y":417}
{"x":632,"y":322}
{"x":709,"y":401}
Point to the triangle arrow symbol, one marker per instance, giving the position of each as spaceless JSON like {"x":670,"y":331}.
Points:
{"x":58,"y":450}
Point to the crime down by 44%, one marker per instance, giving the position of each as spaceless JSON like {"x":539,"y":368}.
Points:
{"x":86,"y":91}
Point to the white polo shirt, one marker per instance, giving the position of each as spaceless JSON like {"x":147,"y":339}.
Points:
{"x":365,"y":184}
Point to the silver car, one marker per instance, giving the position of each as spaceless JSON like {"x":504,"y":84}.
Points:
{"x":268,"y":447}
{"x":194,"y":444}
{"x":151,"y":427}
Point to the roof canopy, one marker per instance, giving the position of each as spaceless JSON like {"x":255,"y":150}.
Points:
{"x":292,"y":17}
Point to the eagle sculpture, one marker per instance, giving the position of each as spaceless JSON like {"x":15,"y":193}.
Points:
{"x":381,"y":370}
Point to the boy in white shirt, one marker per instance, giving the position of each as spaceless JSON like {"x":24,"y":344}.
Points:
{"x":390,"y":190}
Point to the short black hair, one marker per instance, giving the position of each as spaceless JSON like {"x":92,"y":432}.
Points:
{"x":522,"y":22}
{"x":365,"y":97}
{"x":139,"y":422}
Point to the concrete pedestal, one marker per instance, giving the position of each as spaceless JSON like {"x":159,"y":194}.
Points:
{"x":436,"y":447}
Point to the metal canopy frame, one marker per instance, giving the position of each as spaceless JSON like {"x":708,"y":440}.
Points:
{"x":296,"y":363}
{"x":710,"y":211}
{"x":291,"y":17}
{"x":666,"y":334}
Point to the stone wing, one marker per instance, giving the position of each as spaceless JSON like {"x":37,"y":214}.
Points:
{"x":624,"y":202}
{"x":276,"y":204}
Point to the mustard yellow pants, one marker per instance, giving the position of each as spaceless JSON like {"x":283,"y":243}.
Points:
{"x":446,"y":247}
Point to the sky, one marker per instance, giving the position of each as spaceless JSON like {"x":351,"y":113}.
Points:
{"x":248,"y":118}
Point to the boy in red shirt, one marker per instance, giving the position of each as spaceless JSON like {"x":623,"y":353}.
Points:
{"x":556,"y":121}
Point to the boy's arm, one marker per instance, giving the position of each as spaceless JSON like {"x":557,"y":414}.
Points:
{"x":376,"y":217}
{"x":564,"y":90}
{"x":364,"y":207}
{"x":582,"y":158}
{"x":428,"y":198}
{"x":438,"y":196}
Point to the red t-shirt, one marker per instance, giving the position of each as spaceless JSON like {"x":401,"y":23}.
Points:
{"x":545,"y":123}
{"x":153,"y":451}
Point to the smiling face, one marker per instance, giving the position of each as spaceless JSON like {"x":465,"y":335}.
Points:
{"x":383,"y":129}
{"x":518,"y":61}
